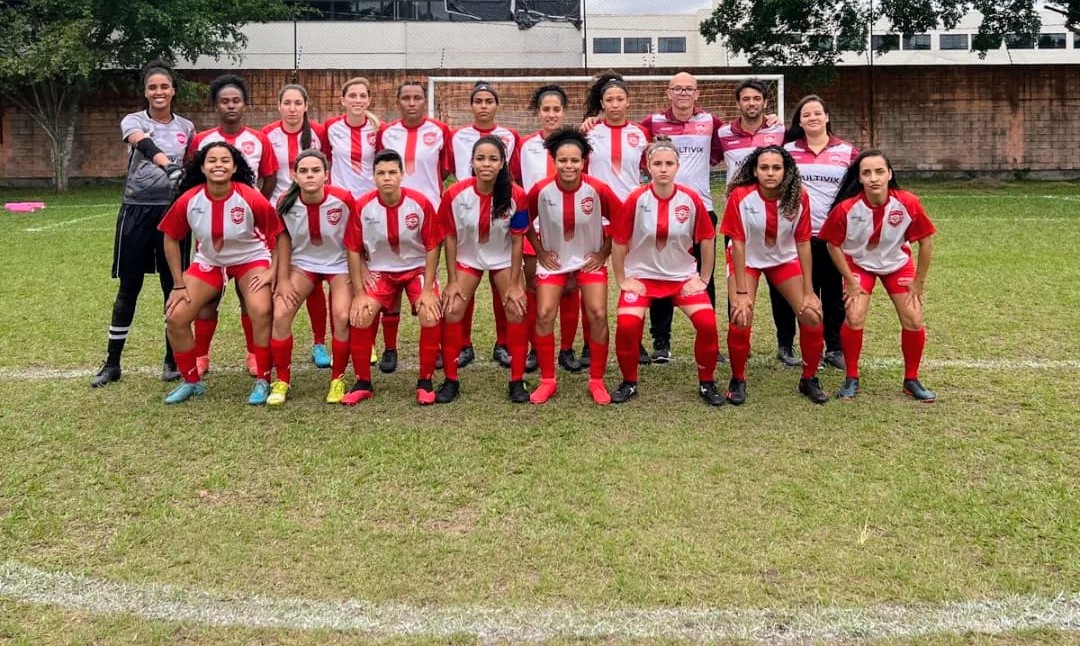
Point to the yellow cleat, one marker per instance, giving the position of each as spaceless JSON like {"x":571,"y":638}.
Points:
{"x":337,"y":391}
{"x":279,"y":390}
{"x":374,"y":356}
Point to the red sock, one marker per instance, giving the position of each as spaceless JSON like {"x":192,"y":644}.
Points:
{"x":530,"y":317}
{"x":597,"y":359}
{"x":738,"y":344}
{"x":466,"y":325}
{"x":185,"y":363}
{"x":390,"y":322}
{"x":452,"y":335}
{"x":518,"y":348}
{"x":812,"y":346}
{"x":912,"y":343}
{"x":545,"y":354}
{"x":316,"y":309}
{"x":706,"y":343}
{"x":281,"y":351}
{"x":339,"y":358}
{"x":430,"y":339}
{"x":569,"y":314}
{"x":500,"y":317}
{"x":851,"y":344}
{"x":204,"y":334}
{"x":586,"y":331}
{"x":263,"y":361}
{"x":249,"y":332}
{"x":360,"y":341}
{"x":628,"y":330}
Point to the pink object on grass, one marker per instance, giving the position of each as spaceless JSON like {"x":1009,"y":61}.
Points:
{"x":24,"y":207}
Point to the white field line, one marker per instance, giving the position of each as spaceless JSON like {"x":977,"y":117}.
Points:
{"x":998,"y":196}
{"x":508,"y":624}
{"x":975,"y":218}
{"x":56,"y":225}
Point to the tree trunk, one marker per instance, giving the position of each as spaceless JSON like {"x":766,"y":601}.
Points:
{"x":54,"y":106}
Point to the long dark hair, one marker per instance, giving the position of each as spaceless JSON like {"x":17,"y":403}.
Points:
{"x":790,"y":187}
{"x":291,"y":194}
{"x":504,"y":185}
{"x":594,"y":97}
{"x":545,"y":90}
{"x":567,"y":135}
{"x":795,"y":130}
{"x":193,"y":172}
{"x":305,"y":125}
{"x":157,"y":66}
{"x":850,"y":186}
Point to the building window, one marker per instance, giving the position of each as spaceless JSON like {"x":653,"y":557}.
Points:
{"x":954,"y":41}
{"x":1076,"y":40}
{"x":671,"y":45}
{"x":1019,"y":41}
{"x":917,"y":41}
{"x":820,"y":42}
{"x":885,"y":42}
{"x":1052,"y":41}
{"x":606,"y":46}
{"x":636,"y":45}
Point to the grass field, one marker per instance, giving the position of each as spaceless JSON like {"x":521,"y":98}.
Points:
{"x":459,"y":517}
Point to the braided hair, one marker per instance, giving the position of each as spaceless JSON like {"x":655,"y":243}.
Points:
{"x":594,"y":97}
{"x":194,"y":175}
{"x":501,"y":197}
{"x":790,"y":187}
{"x":289,"y":197}
{"x":850,"y":186}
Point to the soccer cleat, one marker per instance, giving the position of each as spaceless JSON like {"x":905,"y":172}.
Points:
{"x":585,"y":358}
{"x":184,"y":392}
{"x":544,"y":391}
{"x":108,"y":374}
{"x":279,"y":390}
{"x":598,"y":391}
{"x":721,"y":357}
{"x":388,"y":363}
{"x":319,"y":356}
{"x":374,"y":356}
{"x":448,"y":391}
{"x":914,"y":389}
{"x":169,"y":372}
{"x":736,"y":392}
{"x":500,"y":354}
{"x":812,"y":389}
{"x":518,"y":393}
{"x":337,"y":391}
{"x":531,"y":362}
{"x":467,"y":356}
{"x":707,"y":390}
{"x":624,"y":392}
{"x":202,"y":364}
{"x":661,"y":351}
{"x":252,"y":364}
{"x":835,"y":359}
{"x":850,"y":388}
{"x":785,"y":354}
{"x":438,"y":360}
{"x":260,"y":392}
{"x":360,"y":391}
{"x":643,"y":356}
{"x":425,"y":393}
{"x":569,"y":361}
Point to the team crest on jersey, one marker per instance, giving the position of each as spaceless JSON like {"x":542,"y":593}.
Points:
{"x":430,"y":138}
{"x":770,"y":140}
{"x":682,"y":213}
{"x":701,"y":128}
{"x":248,"y":147}
{"x":181,"y":138}
{"x":634,"y":139}
{"x":587,"y":205}
{"x":237,"y":214}
{"x":333,"y":216}
{"x":371,"y":138}
{"x":412,"y":221}
{"x":896,"y":216}
{"x":630,"y":297}
{"x":835,"y":159}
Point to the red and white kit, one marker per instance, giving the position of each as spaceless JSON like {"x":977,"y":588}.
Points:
{"x":252,"y":144}
{"x":659,"y":233}
{"x":286,"y":146}
{"x":697,"y":144}
{"x":737,"y":144}
{"x":425,"y":151}
{"x":463,"y":140}
{"x":483,"y":239}
{"x":822,"y":173}
{"x":531,"y":161}
{"x":318,"y":233}
{"x":573,"y":223}
{"x":351,"y":150}
{"x":617,"y":154}
{"x":769,"y":237}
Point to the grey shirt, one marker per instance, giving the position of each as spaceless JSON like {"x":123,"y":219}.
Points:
{"x":146,"y":181}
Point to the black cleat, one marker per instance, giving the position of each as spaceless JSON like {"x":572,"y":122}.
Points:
{"x":388,"y":362}
{"x":466,"y":356}
{"x":643,"y":356}
{"x":916,"y":390}
{"x":569,"y":361}
{"x":835,"y":359}
{"x":531,"y":362}
{"x":661,"y":351}
{"x":438,"y":360}
{"x":850,"y":388}
{"x":518,"y":393}
{"x":736,"y":392}
{"x":448,"y":391}
{"x":624,"y":392}
{"x":108,"y":374}
{"x":585,"y":359}
{"x":786,"y":355}
{"x":500,"y":354}
{"x":721,"y":357}
{"x":707,"y":390}
{"x":812,"y":389}
{"x":169,"y":371}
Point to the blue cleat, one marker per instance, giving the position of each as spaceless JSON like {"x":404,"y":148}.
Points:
{"x":184,"y":392}
{"x":850,"y":388}
{"x":260,"y":392}
{"x":319,"y":356}
{"x":914,"y":389}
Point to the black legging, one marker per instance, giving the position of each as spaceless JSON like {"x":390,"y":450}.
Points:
{"x":662,"y":310}
{"x":829,"y":287}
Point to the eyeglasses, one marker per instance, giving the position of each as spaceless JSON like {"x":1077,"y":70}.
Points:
{"x":682,"y":90}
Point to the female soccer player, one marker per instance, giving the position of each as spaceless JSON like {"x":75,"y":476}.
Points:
{"x":315,"y":217}
{"x":651,"y":257}
{"x":822,"y":159}
{"x":158,"y":139}
{"x":767,"y":218}
{"x":572,"y":212}
{"x":869,"y":232}
{"x":393,"y":242}
{"x":478,"y":217}
{"x":235,"y":230}
{"x":292,"y":134}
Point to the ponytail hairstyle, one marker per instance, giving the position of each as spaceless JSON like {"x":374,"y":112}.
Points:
{"x":224,"y":81}
{"x":790,"y":187}
{"x":157,"y":66}
{"x":504,"y":185}
{"x":850,"y":186}
{"x":795,"y":131}
{"x":568,"y":135}
{"x":660,"y":142}
{"x":360,"y":80}
{"x":305,"y":125}
{"x":193,"y":172}
{"x":545,"y":90}
{"x":291,"y":194}
{"x":594,"y":96}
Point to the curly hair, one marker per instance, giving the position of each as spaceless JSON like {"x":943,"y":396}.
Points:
{"x":790,"y":187}
{"x":594,"y":96}
{"x":501,"y":198}
{"x":568,"y":135}
{"x":850,"y":186}
{"x":193,"y":172}
{"x":545,"y":90}
{"x":224,"y":81}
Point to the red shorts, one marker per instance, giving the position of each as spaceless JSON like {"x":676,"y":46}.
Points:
{"x":389,"y":284}
{"x":217,"y":276}
{"x":663,"y":289}
{"x":598,"y":277}
{"x":895,"y":283}
{"x":775,"y":275}
{"x":318,"y":278}
{"x":473,"y":271}
{"x":527,"y":248}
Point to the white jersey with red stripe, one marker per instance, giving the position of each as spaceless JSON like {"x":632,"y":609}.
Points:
{"x":286,"y":146}
{"x":737,"y":144}
{"x":318,"y":232}
{"x":532,"y":162}
{"x":616,"y":156}
{"x":769,"y":236}
{"x":483,"y":237}
{"x":351,"y":150}
{"x":696,"y":142}
{"x":237,"y":229}
{"x":395,"y":238}
{"x":252,"y":144}
{"x":822,"y":173}
{"x":574,"y":223}
{"x":463,"y":139}
{"x":659,"y":233}
{"x":425,"y":151}
{"x":878,"y":238}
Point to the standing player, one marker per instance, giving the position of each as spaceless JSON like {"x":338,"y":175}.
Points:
{"x":767,"y":219}
{"x":158,"y":139}
{"x":869,"y":232}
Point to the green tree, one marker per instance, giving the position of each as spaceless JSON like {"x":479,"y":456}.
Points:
{"x":53,"y":53}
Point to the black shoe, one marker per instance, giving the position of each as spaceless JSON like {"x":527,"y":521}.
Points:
{"x":169,"y":371}
{"x":448,"y":391}
{"x":388,"y":362}
{"x":736,"y":392}
{"x":108,"y":374}
{"x":531,"y":362}
{"x":812,"y":389}
{"x":914,"y":389}
{"x":499,"y":354}
{"x":721,"y":357}
{"x":834,"y":359}
{"x":569,"y":361}
{"x":466,"y":356}
{"x":708,"y":392}
{"x":585,"y":358}
{"x":786,"y":355}
{"x":518,"y":393}
{"x":661,"y":351}
{"x":643,"y":356}
{"x":438,"y":360}
{"x":624,"y":392}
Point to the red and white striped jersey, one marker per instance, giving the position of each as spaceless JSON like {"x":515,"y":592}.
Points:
{"x":877,"y":238}
{"x":351,"y":150}
{"x":318,"y":232}
{"x":395,"y":238}
{"x":659,"y":233}
{"x":463,"y":140}
{"x":822,"y":173}
{"x":425,"y":150}
{"x":483,"y":237}
{"x":573,"y":224}
{"x":697,"y":144}
{"x":617,"y":156}
{"x":769,"y":236}
{"x":531,"y":161}
{"x":252,"y":144}
{"x":286,"y":146}
{"x":237,"y":229}
{"x":737,"y":144}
